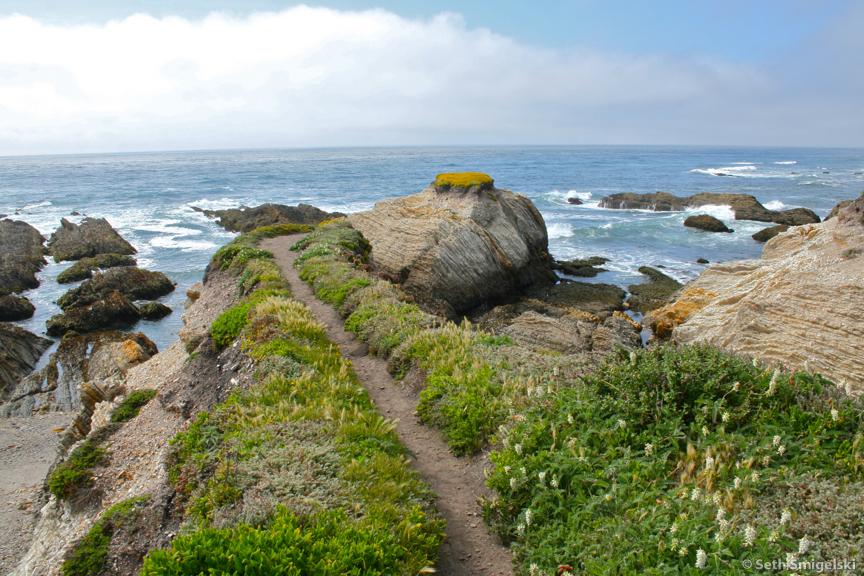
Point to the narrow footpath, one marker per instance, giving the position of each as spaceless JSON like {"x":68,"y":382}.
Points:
{"x":469,"y":549}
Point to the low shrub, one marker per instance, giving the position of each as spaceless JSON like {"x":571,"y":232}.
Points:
{"x":131,"y":405}
{"x":75,"y":473}
{"x":661,"y":454}
{"x":228,"y":325}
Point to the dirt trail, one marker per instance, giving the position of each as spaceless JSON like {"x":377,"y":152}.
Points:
{"x":458,"y":482}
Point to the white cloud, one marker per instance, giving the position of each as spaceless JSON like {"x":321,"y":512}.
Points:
{"x":312,"y":76}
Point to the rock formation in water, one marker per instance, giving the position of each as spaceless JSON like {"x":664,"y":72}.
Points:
{"x":14,"y":308}
{"x":84,"y":268}
{"x":745,"y":206}
{"x":707,"y":223}
{"x":20,"y":350}
{"x":767,"y":233}
{"x":798,"y":306}
{"x":584,"y":268}
{"x":656,"y":292}
{"x":21,"y":256}
{"x":92,"y":237}
{"x":454,"y":246}
{"x":247,"y":219}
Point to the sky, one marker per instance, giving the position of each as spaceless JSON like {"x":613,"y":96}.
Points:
{"x":107,"y":76}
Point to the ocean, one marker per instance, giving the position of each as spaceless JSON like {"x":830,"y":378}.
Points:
{"x":149,"y":198}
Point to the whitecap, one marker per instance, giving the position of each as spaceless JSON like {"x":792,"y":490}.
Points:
{"x":775,"y":205}
{"x":719,"y":211}
{"x":786,"y":162}
{"x":167,"y":227}
{"x":559,"y":230}
{"x":184,"y":245}
{"x":214,"y":204}
{"x":348,"y":208}
{"x":42,"y":204}
{"x":735,"y":170}
{"x":558,"y":197}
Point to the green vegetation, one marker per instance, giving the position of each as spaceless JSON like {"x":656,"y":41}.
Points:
{"x":237,"y":253}
{"x":463,"y":180}
{"x":298,"y":474}
{"x":131,"y":405}
{"x":88,"y":556}
{"x":75,"y":473}
{"x":661,"y":454}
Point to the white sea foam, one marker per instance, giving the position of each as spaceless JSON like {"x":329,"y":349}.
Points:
{"x":167,"y":227}
{"x":786,"y":162}
{"x":560,"y":197}
{"x":559,"y":230}
{"x":184,"y":245}
{"x":37,"y":205}
{"x":719,"y":211}
{"x":214,"y":204}
{"x":735,"y":170}
{"x":348,"y":207}
{"x":775,"y":205}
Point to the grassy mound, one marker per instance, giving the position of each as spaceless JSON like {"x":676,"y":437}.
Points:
{"x":670,"y":460}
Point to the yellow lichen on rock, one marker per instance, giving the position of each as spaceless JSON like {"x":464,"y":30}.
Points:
{"x":665,"y":319}
{"x":623,"y":316}
{"x":464,"y":180}
{"x":133,"y":352}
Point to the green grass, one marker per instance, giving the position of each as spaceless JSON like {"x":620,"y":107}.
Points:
{"x":298,"y":474}
{"x":131,"y":405}
{"x":627,"y":472}
{"x":75,"y":473}
{"x":88,"y":556}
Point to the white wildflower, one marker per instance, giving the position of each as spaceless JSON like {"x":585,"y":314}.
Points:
{"x":649,"y":448}
{"x":534,"y":570}
{"x":736,"y":483}
{"x":673,"y":545}
{"x":608,"y":497}
{"x":776,"y":441}
{"x":542,"y":477}
{"x":528,"y":515}
{"x":736,"y":386}
{"x":791,"y":559}
{"x":505,"y":441}
{"x":704,"y":430}
{"x":695,"y":494}
{"x":723,"y":525}
{"x":749,"y":535}
{"x":507,"y":470}
{"x":682,"y":551}
{"x":523,"y":471}
{"x":725,"y":416}
{"x":781,"y":449}
{"x":721,"y":514}
{"x":716,"y":498}
{"x":755,"y":362}
{"x":720,"y":535}
{"x":701,"y":558}
{"x":570,"y":419}
{"x":785,"y":517}
{"x":835,"y":415}
{"x":774,"y":536}
{"x":520,"y":529}
{"x":772,"y":385}
{"x":673,"y":529}
{"x":513,"y":483}
{"x":554,"y":482}
{"x":709,"y":462}
{"x":754,"y":477}
{"x":632,"y":357}
{"x":766,"y":460}
{"x":621,"y":423}
{"x":518,"y":449}
{"x":803,"y":545}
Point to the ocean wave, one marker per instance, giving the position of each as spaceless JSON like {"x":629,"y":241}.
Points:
{"x":786,"y":162}
{"x":775,"y":205}
{"x":559,"y":197}
{"x":348,"y":207}
{"x":184,"y":245}
{"x":214,"y":204}
{"x":559,"y":230}
{"x":735,"y":170}
{"x":167,"y":227}
{"x":36,"y":205}
{"x":719,"y":211}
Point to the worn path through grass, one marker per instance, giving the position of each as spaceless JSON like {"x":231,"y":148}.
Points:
{"x":469,"y":548}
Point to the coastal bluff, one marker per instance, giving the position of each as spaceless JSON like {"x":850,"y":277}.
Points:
{"x":799,"y":306}
{"x":458,"y":243}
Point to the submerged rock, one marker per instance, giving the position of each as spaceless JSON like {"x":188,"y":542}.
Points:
{"x":247,"y":219}
{"x":454,"y":248}
{"x":92,"y":237}
{"x":84,"y":268}
{"x":586,"y":268}
{"x":767,"y":233}
{"x":97,"y":360}
{"x":21,"y":256}
{"x":20,"y":350}
{"x":707,"y":223}
{"x":745,"y":206}
{"x":14,"y":308}
{"x":656,"y":292}
{"x":798,"y":306}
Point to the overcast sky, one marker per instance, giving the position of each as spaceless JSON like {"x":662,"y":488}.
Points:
{"x":121,"y":76}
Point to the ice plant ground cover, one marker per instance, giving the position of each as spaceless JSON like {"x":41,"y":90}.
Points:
{"x":298,"y":474}
{"x":671,"y":461}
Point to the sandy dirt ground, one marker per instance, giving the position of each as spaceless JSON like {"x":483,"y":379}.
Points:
{"x":28,"y":446}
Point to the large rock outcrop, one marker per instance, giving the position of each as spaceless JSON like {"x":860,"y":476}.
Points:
{"x":247,"y":219}
{"x":798,"y":306}
{"x":707,"y":223}
{"x":93,"y":236}
{"x":745,"y":206}
{"x":454,"y":248}
{"x":20,"y":350}
{"x":14,"y":308}
{"x":21,"y":256}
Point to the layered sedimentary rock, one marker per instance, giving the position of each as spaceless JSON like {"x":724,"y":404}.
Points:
{"x":92,"y":237}
{"x":798,"y":306}
{"x":745,"y":206}
{"x":21,"y":256}
{"x":454,"y":248}
{"x":20,"y":350}
{"x":247,"y":219}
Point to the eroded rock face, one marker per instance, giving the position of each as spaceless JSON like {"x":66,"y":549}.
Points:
{"x":97,"y":359}
{"x":745,"y":206}
{"x":707,"y":223}
{"x":798,"y":306}
{"x":455,"y":249}
{"x":93,"y":236}
{"x":20,"y":350}
{"x":247,"y":219}
{"x":21,"y":256}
